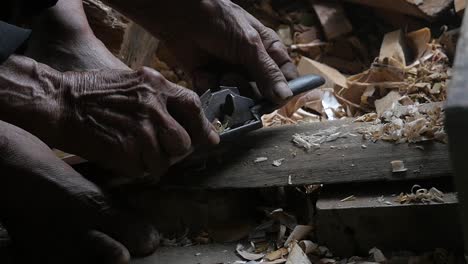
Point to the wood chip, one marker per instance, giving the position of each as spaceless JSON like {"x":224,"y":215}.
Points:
{"x":331,"y":75}
{"x":418,"y":41}
{"x":387,"y":102}
{"x":297,"y":256}
{"x":277,"y":162}
{"x":394,"y":46}
{"x":349,"y":198}
{"x":246,"y":254}
{"x":299,"y":232}
{"x":277,"y":254}
{"x":377,"y":255}
{"x":308,"y":246}
{"x":398,"y":166}
{"x":260,"y":159}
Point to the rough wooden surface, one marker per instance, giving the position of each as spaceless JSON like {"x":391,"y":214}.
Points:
{"x":352,"y":228}
{"x":346,"y":161}
{"x":203,"y":254}
{"x":457,"y":123}
{"x":429,"y":9}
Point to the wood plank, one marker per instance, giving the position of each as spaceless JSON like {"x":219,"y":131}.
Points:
{"x":352,"y":228}
{"x":201,"y":254}
{"x":428,"y":9}
{"x":232,"y":165}
{"x":457,"y":124}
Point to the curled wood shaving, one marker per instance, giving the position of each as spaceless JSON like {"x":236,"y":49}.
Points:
{"x":421,"y":195}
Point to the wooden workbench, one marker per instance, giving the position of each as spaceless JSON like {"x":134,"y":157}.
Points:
{"x":342,"y":161}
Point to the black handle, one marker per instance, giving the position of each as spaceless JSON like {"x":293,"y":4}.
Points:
{"x":297,"y":86}
{"x":305,"y":83}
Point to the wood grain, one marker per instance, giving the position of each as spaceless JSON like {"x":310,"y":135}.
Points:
{"x":457,"y":123}
{"x":232,"y":165}
{"x":429,"y":9}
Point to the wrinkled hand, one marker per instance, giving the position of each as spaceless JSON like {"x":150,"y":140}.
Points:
{"x":132,"y":122}
{"x":220,"y":30}
{"x":204,"y":34}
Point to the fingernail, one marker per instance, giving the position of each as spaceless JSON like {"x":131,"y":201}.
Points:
{"x":213,"y":137}
{"x":282,"y":91}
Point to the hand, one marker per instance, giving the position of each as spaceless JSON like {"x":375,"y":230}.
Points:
{"x":205,"y":33}
{"x":131,"y":122}
{"x":63,"y":39}
{"x":54,"y":215}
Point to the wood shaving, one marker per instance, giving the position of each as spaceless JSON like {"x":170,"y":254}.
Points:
{"x":398,"y":166}
{"x":277,"y":162}
{"x":248,"y":253}
{"x":377,"y":255}
{"x":260,"y":159}
{"x":421,"y":195}
{"x":309,"y":141}
{"x":349,"y":198}
{"x":299,"y":232}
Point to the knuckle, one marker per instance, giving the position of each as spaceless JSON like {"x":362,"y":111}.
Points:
{"x":270,"y":33}
{"x":193,"y":101}
{"x":252,"y":38}
{"x":278,"y":46}
{"x":152,"y":75}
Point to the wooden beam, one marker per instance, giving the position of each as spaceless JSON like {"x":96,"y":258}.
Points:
{"x":341,"y":161}
{"x":457,"y":124}
{"x":428,"y":9}
{"x":364,"y":223}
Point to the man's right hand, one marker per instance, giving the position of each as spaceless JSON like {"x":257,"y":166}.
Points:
{"x":131,"y":122}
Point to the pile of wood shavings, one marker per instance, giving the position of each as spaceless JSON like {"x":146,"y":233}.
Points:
{"x":403,"y":99}
{"x":298,"y":247}
{"x":418,"y":114}
{"x":421,"y":195}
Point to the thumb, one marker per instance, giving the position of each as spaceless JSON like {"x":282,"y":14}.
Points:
{"x":104,"y":249}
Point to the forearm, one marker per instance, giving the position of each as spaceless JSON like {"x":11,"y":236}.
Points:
{"x":29,"y":97}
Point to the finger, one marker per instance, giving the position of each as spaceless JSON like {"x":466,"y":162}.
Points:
{"x":138,"y":236}
{"x":118,"y":136}
{"x":104,"y":249}
{"x":290,"y":71}
{"x":173,"y":138}
{"x":155,"y":161}
{"x":269,"y":78}
{"x":186,"y":107}
{"x":275,"y":48}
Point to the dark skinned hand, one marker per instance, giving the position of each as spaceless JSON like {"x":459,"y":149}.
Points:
{"x":132,"y":122}
{"x":208,"y":33}
{"x":54,"y":215}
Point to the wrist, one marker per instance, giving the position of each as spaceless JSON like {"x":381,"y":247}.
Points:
{"x":30,"y":97}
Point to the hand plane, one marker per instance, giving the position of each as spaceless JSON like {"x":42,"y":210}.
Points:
{"x":234,"y":115}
